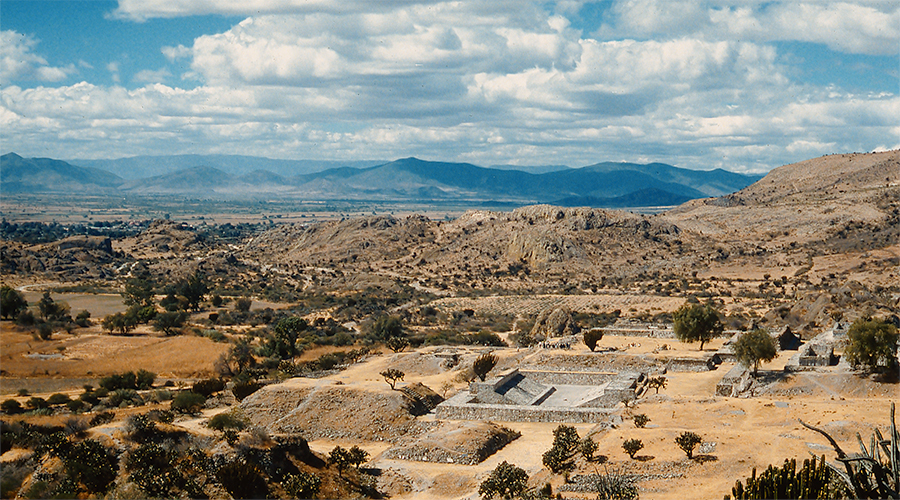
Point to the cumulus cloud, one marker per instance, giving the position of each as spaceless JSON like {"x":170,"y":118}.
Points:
{"x":19,"y":62}
{"x":487,"y":82}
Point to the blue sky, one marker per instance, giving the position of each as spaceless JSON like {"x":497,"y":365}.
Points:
{"x":741,"y":85}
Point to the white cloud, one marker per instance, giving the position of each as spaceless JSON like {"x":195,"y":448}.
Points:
{"x":19,"y":62}
{"x":488,"y":82}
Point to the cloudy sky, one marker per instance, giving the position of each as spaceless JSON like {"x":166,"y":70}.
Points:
{"x":742,"y":85}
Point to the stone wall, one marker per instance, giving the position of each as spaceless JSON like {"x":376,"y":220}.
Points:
{"x":550,"y":377}
{"x":455,"y":410}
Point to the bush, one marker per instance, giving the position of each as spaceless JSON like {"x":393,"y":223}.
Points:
{"x":11,"y":407}
{"x":12,"y":302}
{"x":102,"y":418}
{"x":657,"y":383}
{"x":208,"y":387}
{"x":119,"y":397}
{"x":188,"y":402}
{"x":226,"y":420}
{"x":505,"y":481}
{"x":58,"y":399}
{"x":559,"y":458}
{"x":632,"y":446}
{"x":243,"y":480}
{"x":36,"y":403}
{"x":640,"y":420}
{"x":302,"y":485}
{"x":244,"y":389}
{"x":243,"y":304}
{"x":687,"y":441}
{"x":92,"y":465}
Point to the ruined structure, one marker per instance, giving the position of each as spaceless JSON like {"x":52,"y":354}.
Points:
{"x":546,"y":396}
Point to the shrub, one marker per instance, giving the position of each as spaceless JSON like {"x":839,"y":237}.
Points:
{"x":505,"y":481}
{"x":397,"y":344}
{"x":632,"y":446}
{"x":302,"y":485}
{"x":243,"y":304}
{"x":187,"y":402}
{"x":615,"y":485}
{"x":244,"y":389}
{"x":76,"y":426}
{"x":208,"y":387}
{"x":226,"y":420}
{"x":565,"y":443}
{"x":169,"y":322}
{"x":119,"y":397}
{"x":687,"y":441}
{"x":243,"y":480}
{"x":640,"y":420}
{"x":83,"y":319}
{"x":36,"y":403}
{"x":75,"y":405}
{"x":657,"y":383}
{"x":92,"y":465}
{"x":340,"y":459}
{"x":813,"y":480}
{"x":12,"y":302}
{"x":11,"y":407}
{"x":102,"y":418}
{"x":588,"y":448}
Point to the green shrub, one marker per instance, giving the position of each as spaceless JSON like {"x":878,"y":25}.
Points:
{"x":11,"y":407}
{"x":102,"y":418}
{"x":687,"y":441}
{"x":188,"y":402}
{"x":226,"y":420}
{"x":244,"y":389}
{"x":640,"y":420}
{"x":505,"y":481}
{"x":58,"y":399}
{"x":591,"y":337}
{"x":36,"y":403}
{"x":302,"y":485}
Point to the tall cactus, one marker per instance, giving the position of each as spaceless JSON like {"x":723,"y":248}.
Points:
{"x":865,"y":474}
{"x":810,"y":482}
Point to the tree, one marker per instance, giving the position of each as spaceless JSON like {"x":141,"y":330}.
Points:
{"x":697,"y":322}
{"x":12,"y":302}
{"x":188,"y":402}
{"x":392,"y":376}
{"x":92,"y":465}
{"x":51,"y":310}
{"x":397,"y":344}
{"x":872,"y":345}
{"x":193,"y":289}
{"x":657,"y":383}
{"x":284,"y":337}
{"x":632,"y":446}
{"x":119,"y":322}
{"x":169,"y":322}
{"x":687,"y":441}
{"x":753,"y":347}
{"x":588,"y":448}
{"x":302,"y":485}
{"x":357,"y":456}
{"x":591,"y":337}
{"x":340,"y":458}
{"x":138,"y":292}
{"x":483,"y":364}
{"x":386,"y":327}
{"x":506,"y":481}
{"x":565,"y":443}
{"x":640,"y":420}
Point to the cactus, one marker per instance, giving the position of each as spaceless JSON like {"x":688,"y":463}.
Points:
{"x":810,"y":482}
{"x":865,"y":474}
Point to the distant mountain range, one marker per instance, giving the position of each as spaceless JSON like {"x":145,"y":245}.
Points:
{"x":612,"y":185}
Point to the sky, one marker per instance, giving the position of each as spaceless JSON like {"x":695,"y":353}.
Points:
{"x":736,"y":84}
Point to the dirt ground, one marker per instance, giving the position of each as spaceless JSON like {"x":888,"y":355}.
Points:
{"x":738,"y":433}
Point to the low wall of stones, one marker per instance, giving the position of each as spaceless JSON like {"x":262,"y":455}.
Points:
{"x":568,"y":378}
{"x":689,"y":364}
{"x":507,"y":413}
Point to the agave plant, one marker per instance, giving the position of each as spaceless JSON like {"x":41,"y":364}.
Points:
{"x":865,"y":473}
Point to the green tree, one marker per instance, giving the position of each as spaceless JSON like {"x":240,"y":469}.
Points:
{"x":754,"y":346}
{"x":392,"y":376}
{"x":284,"y":337}
{"x":51,"y":310}
{"x":119,"y":322}
{"x":169,"y":322}
{"x":386,"y":327}
{"x":506,"y":481}
{"x":559,"y":458}
{"x":138,"y":292}
{"x":484,"y":364}
{"x":687,"y":441}
{"x":872,"y":345}
{"x":640,"y":420}
{"x":92,"y":465}
{"x":697,"y":322}
{"x":12,"y":302}
{"x":243,"y":304}
{"x":591,"y":337}
{"x":194,"y":289}
{"x":588,"y":447}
